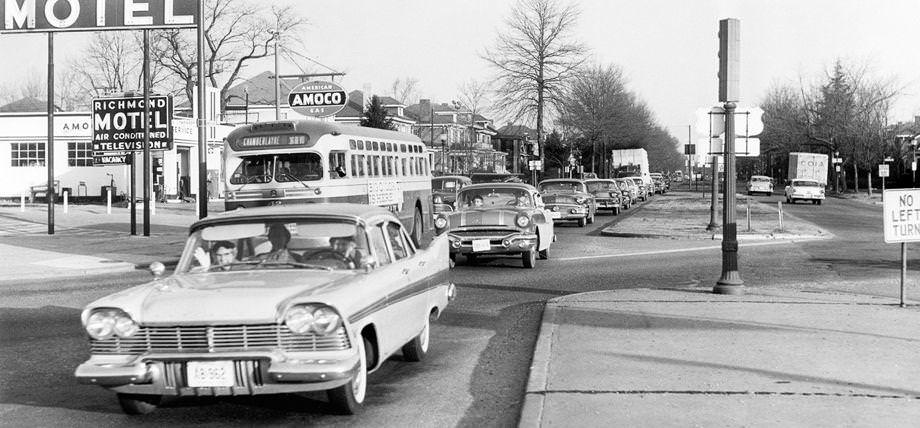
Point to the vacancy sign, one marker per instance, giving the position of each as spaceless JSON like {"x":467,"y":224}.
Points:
{"x":902,"y":215}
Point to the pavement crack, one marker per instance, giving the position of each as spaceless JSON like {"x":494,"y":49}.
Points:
{"x":711,"y":392}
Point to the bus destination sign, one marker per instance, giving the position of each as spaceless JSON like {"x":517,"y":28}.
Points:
{"x":256,"y":142}
{"x":317,"y":99}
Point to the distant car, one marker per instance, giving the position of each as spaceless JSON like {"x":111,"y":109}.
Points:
{"x":496,"y":219}
{"x":489,"y":177}
{"x":804,"y":190}
{"x":659,"y":183}
{"x":644,"y":191}
{"x":607,"y":195}
{"x":631,"y":188}
{"x":569,"y":196}
{"x":303,"y":317}
{"x":760,"y":184}
{"x":444,"y":191}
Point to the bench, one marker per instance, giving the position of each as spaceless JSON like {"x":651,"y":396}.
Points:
{"x":42,"y":189}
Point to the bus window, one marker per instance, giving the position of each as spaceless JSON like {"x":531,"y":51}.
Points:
{"x":336,"y":160}
{"x":352,"y":145}
{"x":253,"y":169}
{"x":354,"y":165}
{"x":374,"y":167}
{"x":376,"y":146}
{"x":402,"y":148}
{"x":360,"y":162}
{"x":389,"y":147}
{"x":404,"y":172}
{"x":299,"y":167}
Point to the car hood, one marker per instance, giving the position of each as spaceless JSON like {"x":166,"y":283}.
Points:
{"x":224,"y":297}
{"x":485,"y":217}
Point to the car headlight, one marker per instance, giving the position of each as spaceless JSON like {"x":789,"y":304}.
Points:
{"x":322,"y":320}
{"x":580,"y":200}
{"x":104,"y":323}
{"x":440,"y":222}
{"x":522,"y":221}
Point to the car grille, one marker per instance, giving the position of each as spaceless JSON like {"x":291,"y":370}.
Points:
{"x":483,"y":233}
{"x":219,"y":338}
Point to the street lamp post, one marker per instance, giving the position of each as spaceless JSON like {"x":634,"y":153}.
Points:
{"x":443,"y":139}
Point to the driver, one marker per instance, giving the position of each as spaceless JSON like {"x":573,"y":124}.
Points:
{"x":347,"y":248}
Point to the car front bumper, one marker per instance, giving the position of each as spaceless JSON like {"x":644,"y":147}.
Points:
{"x":489,"y":244}
{"x":608,"y":203}
{"x":254,"y":372}
{"x":814,"y":196}
{"x":567,"y":212}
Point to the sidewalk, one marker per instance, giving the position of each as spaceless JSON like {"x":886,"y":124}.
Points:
{"x":677,"y":358}
{"x":685,"y":215}
{"x":88,"y":241}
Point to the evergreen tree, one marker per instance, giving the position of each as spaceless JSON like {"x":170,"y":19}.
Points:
{"x":375,"y":116}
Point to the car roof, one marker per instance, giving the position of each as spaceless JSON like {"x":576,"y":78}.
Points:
{"x":522,"y":186}
{"x":598,"y":179}
{"x":332,"y":210}
{"x":761,"y":176}
{"x":563,"y":180}
{"x":451,"y":177}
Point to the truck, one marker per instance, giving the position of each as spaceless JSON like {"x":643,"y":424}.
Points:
{"x":808,"y":166}
{"x":629,"y":162}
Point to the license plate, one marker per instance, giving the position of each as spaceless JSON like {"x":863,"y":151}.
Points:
{"x":481,"y":245}
{"x":555,"y":215}
{"x":206,"y":374}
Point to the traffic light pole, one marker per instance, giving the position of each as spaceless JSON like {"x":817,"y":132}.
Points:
{"x":730,"y":282}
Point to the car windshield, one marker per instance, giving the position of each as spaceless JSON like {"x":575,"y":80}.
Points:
{"x":760,"y":179}
{"x":805,"y":183}
{"x":288,"y":167}
{"x":561,"y":186}
{"x":493,"y":197}
{"x":289,"y":244}
{"x":601,"y":186}
{"x":447,"y":184}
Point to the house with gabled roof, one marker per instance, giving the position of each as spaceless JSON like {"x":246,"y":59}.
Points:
{"x":460,"y":141}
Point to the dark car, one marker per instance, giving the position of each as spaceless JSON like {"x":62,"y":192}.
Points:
{"x":444,"y":191}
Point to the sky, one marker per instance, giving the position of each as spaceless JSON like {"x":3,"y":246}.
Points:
{"x":666,"y":48}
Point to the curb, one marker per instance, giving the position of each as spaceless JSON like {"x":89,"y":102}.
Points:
{"x":119,"y":267}
{"x":534,"y":394}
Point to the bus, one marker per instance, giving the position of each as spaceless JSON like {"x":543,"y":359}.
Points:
{"x":300,"y":161}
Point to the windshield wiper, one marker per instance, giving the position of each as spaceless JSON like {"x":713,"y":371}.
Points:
{"x":284,"y":174}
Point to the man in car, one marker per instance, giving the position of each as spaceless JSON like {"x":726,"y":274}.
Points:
{"x":222,"y":252}
{"x":346,"y":247}
{"x":279,"y":237}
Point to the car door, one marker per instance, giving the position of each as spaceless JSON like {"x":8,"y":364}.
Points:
{"x":388,"y":280}
{"x":411,"y":301}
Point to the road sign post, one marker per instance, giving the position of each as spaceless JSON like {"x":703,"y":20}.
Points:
{"x":901,"y":223}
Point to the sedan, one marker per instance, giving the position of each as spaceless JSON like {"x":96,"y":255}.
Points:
{"x":760,"y":184}
{"x":804,"y":190}
{"x":271,"y":300}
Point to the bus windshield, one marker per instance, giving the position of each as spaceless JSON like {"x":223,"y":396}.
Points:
{"x":287,"y":167}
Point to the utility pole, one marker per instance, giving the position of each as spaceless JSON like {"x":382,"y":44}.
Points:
{"x":277,"y":36}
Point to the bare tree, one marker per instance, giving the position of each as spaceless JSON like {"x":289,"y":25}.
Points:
{"x":473,"y":97}
{"x":236,"y":32}
{"x":533,"y":57}
{"x":404,"y":90}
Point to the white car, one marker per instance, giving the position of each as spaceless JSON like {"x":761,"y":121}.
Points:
{"x":805,"y":190}
{"x":760,"y":184}
{"x":312,"y":297}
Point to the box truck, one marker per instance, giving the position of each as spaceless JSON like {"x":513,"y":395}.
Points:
{"x":629,"y":162}
{"x":808,"y":166}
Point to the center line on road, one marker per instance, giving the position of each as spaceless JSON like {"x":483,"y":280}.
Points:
{"x":678,"y":250}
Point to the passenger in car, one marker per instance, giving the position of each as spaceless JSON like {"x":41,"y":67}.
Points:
{"x":279,"y":237}
{"x":348,"y":249}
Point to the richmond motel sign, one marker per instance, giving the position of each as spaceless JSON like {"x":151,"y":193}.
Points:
{"x":89,"y":15}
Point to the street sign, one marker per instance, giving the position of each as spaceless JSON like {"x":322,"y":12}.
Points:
{"x":689,"y":149}
{"x":883,"y":170}
{"x":93,"y":15}
{"x":118,"y":123}
{"x":318,"y":98}
{"x":748,"y":121}
{"x":111,"y":158}
{"x":535,"y":164}
{"x":743,"y":146}
{"x":901,"y":215}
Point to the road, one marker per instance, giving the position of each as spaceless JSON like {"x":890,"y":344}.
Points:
{"x":481,"y":347}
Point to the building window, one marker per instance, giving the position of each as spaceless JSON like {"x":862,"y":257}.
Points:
{"x":80,"y":154}
{"x":27,"y":154}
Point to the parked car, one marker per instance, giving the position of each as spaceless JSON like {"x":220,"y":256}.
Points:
{"x":760,"y":184}
{"x":498,"y":219}
{"x":607,"y":195}
{"x":310,"y":297}
{"x":569,"y":196}
{"x":804,"y":190}
{"x":644,"y":191}
{"x":444,"y":191}
{"x":630,"y":189}
{"x":658,"y":181}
